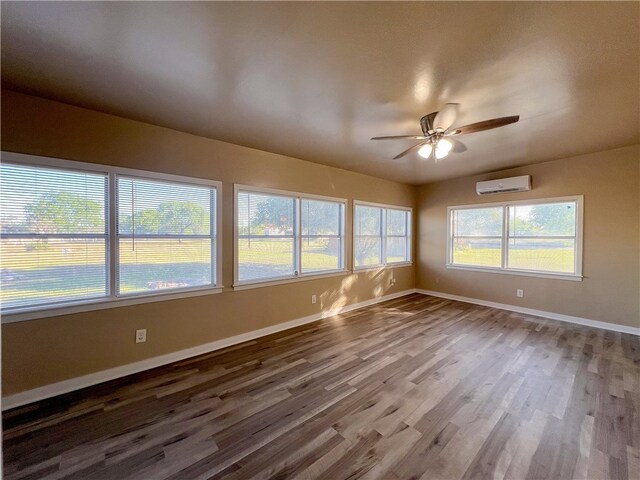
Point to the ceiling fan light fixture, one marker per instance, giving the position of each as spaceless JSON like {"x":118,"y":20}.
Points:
{"x":425,"y":150}
{"x":443,"y":147}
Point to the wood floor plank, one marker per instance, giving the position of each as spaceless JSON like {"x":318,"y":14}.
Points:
{"x":417,"y":387}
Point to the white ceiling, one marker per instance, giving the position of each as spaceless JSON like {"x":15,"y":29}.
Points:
{"x":317,"y":80}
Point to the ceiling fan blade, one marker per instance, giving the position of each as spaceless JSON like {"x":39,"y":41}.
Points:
{"x":445,"y":117}
{"x":400,"y":137}
{"x":408,"y":150}
{"x":484,"y":125}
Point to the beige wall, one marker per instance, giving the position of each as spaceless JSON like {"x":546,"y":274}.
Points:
{"x":610,"y":291}
{"x":40,"y":352}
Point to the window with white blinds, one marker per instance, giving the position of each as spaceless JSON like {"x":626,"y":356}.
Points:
{"x":322,"y":236}
{"x":282,"y":235}
{"x":54,"y":239}
{"x":381,"y":235}
{"x":166,"y":237}
{"x":367,"y":234}
{"x":74,"y":233}
{"x":397,"y":236}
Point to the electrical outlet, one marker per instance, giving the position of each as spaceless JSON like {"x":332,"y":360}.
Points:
{"x":314,"y":299}
{"x":141,"y":335}
{"x":520,"y":292}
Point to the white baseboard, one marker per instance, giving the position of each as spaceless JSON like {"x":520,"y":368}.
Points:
{"x":66,"y":386}
{"x":539,"y":313}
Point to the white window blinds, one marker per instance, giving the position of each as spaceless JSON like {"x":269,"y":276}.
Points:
{"x":281,"y":235}
{"x":398,"y":236}
{"x":321,"y":235}
{"x":266,"y":238}
{"x":368,"y":236}
{"x":54,"y":241}
{"x":382,"y":235}
{"x":166,"y":236}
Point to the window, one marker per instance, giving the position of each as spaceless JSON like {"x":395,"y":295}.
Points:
{"x":477,"y":236}
{"x":166,"y":235}
{"x":282,"y":235}
{"x":397,"y":241}
{"x":74,"y":234}
{"x":382,"y":235}
{"x":266,"y":239}
{"x":528,"y":237}
{"x":322,"y":236}
{"x":54,"y":245}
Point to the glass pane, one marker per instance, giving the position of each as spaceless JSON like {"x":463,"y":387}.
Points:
{"x":396,"y":222}
{"x":147,"y":265}
{"x":42,"y":271}
{"x":260,"y":258}
{"x":368,"y":251}
{"x":483,"y":252}
{"x":548,"y":219}
{"x":263,"y":214}
{"x":396,"y":249}
{"x":320,"y":253}
{"x":544,"y":254}
{"x":320,"y":218}
{"x":478,"y":222}
{"x":367,"y":221}
{"x":149,"y":207}
{"x":51,"y":201}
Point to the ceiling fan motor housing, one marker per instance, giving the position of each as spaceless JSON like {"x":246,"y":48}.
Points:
{"x":426,"y":123}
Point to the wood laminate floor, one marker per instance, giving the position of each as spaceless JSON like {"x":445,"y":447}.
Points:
{"x":414,"y":388}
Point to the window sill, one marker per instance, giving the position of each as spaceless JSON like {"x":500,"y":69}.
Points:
{"x":282,"y":281}
{"x":525,"y":273}
{"x":382,"y":267}
{"x":102,"y":304}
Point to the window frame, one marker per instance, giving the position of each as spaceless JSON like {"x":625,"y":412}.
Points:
{"x":113,"y":299}
{"x":505,"y":237}
{"x":383,"y":236}
{"x":297,"y":238}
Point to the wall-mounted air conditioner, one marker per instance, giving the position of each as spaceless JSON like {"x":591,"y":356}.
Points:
{"x":504,"y":185}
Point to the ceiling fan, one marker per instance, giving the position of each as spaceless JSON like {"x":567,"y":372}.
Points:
{"x":437,"y":132}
